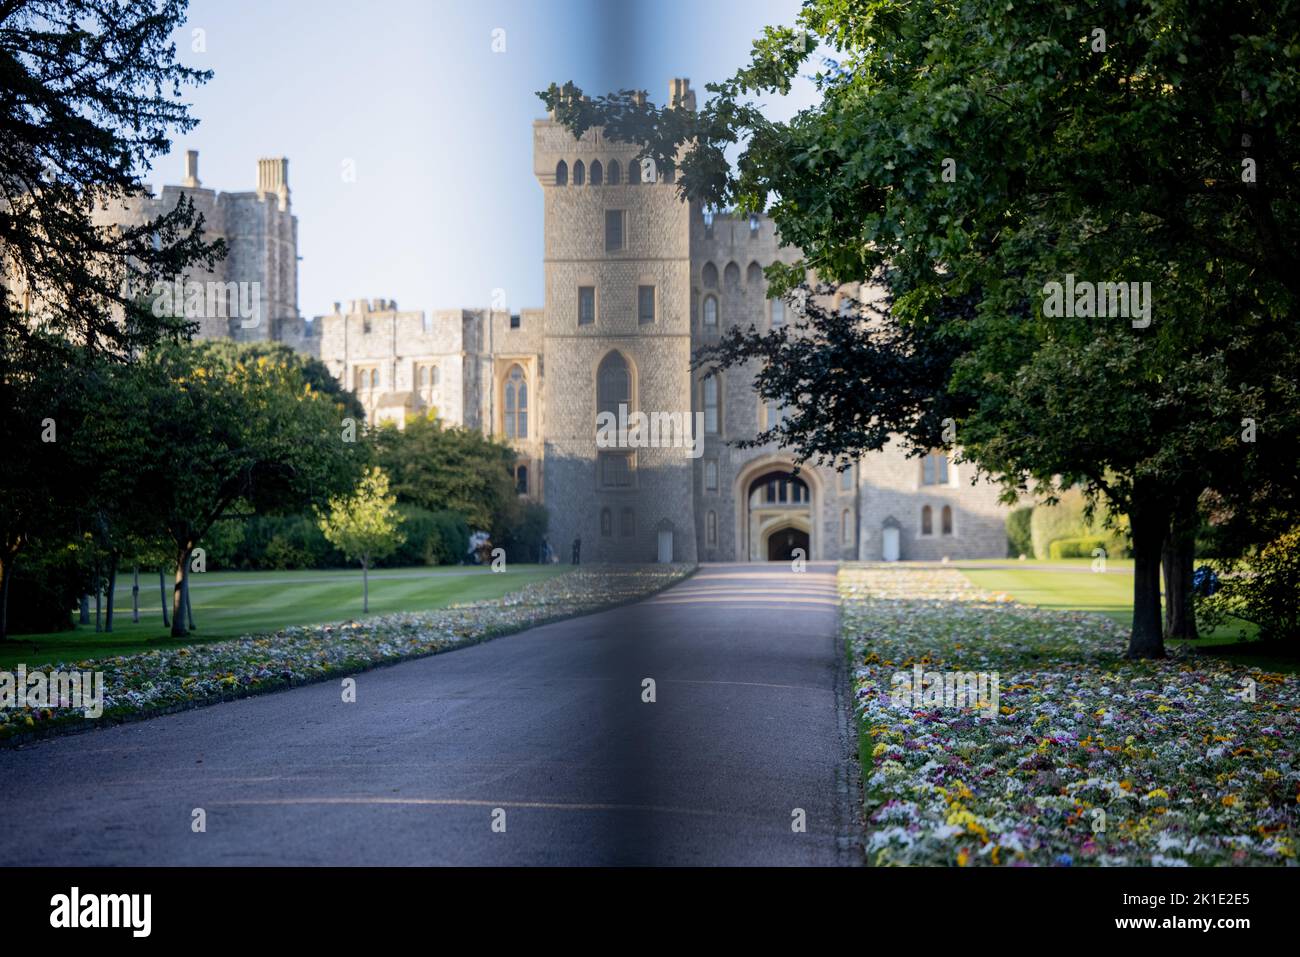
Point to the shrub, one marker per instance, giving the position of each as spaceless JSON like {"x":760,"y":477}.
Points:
{"x":452,"y":537}
{"x":1019,"y":539}
{"x":523,"y":539}
{"x":45,"y":587}
{"x":1081,"y":547}
{"x":431,"y":538}
{"x":1267,"y":593}
{"x":1065,"y":519}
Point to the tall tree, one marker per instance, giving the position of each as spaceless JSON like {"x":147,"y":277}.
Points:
{"x":89,"y":94}
{"x":235,"y":431}
{"x":450,"y":468}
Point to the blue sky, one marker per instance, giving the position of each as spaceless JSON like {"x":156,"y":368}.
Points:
{"x":444,"y":207}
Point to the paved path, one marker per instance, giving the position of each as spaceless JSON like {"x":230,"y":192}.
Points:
{"x":549,"y":725}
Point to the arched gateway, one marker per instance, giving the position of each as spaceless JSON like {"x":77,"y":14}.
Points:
{"x":777,"y":512}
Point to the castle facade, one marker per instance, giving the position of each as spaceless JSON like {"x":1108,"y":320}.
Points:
{"x":635,"y":281}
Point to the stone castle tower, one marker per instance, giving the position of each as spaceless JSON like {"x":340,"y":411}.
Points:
{"x":618,"y":332}
{"x":261,"y":235}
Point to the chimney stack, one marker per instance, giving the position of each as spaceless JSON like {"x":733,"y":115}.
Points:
{"x":680,"y":94}
{"x":191,"y":179}
{"x":273,"y":177}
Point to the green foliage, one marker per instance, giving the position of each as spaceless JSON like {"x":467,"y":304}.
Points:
{"x":1082,"y":547}
{"x":523,"y":540}
{"x":45,"y":587}
{"x":238,"y":428}
{"x":1121,"y":164}
{"x":1019,"y":540}
{"x":92,"y":95}
{"x":455,"y":469}
{"x":1065,"y":519}
{"x":1068,"y":519}
{"x":1265,"y":591}
{"x":430,"y":538}
{"x":363,"y":524}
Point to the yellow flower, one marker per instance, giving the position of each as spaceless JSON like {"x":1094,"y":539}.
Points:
{"x":1229,"y":800}
{"x":1159,"y":793}
{"x":962,"y":857}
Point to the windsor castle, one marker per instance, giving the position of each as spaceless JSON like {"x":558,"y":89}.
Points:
{"x":635,"y":280}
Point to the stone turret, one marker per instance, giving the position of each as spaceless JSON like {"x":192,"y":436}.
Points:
{"x":191,"y":180}
{"x":680,"y":94}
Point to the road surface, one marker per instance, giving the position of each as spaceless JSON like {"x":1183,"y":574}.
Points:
{"x":545,"y":733}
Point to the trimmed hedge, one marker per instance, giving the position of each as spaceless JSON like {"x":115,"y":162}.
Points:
{"x":1081,"y":547}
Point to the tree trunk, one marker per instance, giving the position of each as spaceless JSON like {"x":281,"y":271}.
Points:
{"x":1149,"y":527}
{"x":1177,"y":563}
{"x":6,"y":572}
{"x":84,"y":609}
{"x":135,"y":594}
{"x":178,"y":593}
{"x":99,"y":601}
{"x":365,"y":584}
{"x":112,"y":588}
{"x":189,"y":608}
{"x":162,"y":594}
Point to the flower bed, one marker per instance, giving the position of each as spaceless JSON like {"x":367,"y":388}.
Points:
{"x":1090,"y":758}
{"x":156,"y":682}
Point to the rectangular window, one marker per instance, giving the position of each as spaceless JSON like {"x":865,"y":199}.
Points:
{"x":514,"y":321}
{"x":710,"y":475}
{"x":711,"y":406}
{"x":778,"y":313}
{"x":934,"y":469}
{"x":586,"y":305}
{"x":614,"y":219}
{"x":645,"y":304}
{"x":616,"y":470}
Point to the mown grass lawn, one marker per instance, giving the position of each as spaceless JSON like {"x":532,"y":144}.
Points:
{"x":231,"y":604}
{"x":1058,"y":586}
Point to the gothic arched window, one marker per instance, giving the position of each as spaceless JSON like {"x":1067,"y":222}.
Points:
{"x":615,"y":173}
{"x":613,"y":384}
{"x":516,"y":404}
{"x":927,"y":521}
{"x":579,"y":173}
{"x":561,"y":173}
{"x":597,"y":173}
